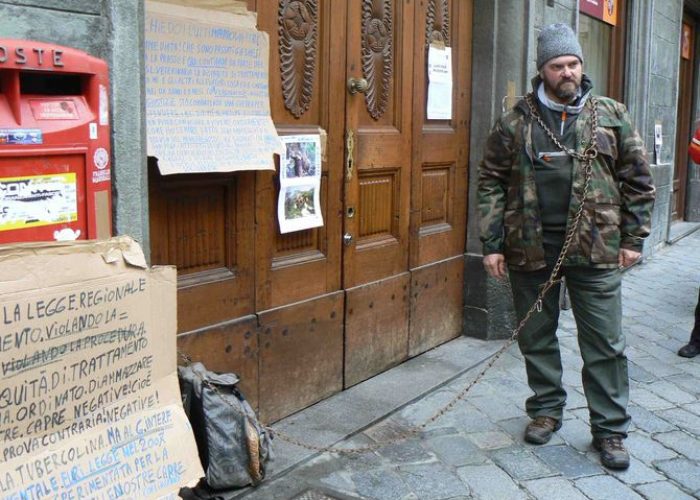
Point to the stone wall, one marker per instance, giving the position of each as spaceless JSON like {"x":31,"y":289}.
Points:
{"x":662,"y":108}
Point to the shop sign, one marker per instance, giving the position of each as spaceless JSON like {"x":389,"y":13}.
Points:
{"x":605,"y":10}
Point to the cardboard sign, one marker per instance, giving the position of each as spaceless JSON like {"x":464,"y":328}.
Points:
{"x":89,"y":401}
{"x":207,"y":96}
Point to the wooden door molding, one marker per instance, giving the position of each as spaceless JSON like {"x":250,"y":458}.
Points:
{"x":377,"y":186}
{"x":436,"y":305}
{"x":440,"y":147}
{"x":377,"y":54}
{"x":437,"y":22}
{"x":301,"y":355}
{"x":304,"y":74}
{"x":203,"y":224}
{"x":376,"y":327}
{"x":298,"y":51}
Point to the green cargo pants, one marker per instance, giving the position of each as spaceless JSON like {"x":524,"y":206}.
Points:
{"x":597,"y":306}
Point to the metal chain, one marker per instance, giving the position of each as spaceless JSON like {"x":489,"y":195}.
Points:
{"x":587,"y":157}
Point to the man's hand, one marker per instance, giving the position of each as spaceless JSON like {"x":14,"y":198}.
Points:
{"x":495,"y":265}
{"x":627,"y":257}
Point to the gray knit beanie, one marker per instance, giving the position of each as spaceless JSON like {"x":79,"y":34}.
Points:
{"x":557,"y":40}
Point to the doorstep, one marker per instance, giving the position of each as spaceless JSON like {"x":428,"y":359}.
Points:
{"x":680,"y":230}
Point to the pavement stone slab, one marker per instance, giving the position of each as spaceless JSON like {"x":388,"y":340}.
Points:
{"x":638,"y":473}
{"x":686,"y":382}
{"x":671,"y":392}
{"x":466,"y":418}
{"x":567,"y":461}
{"x":576,"y":433}
{"x":648,"y":421}
{"x":604,"y":487}
{"x":490,"y":440}
{"x":639,"y":374}
{"x":692,"y":407}
{"x":690,"y":366}
{"x":455,"y":450}
{"x":581,"y":413}
{"x":420,"y":411}
{"x":663,"y":490}
{"x":387,"y":430}
{"x":380,"y":484}
{"x":648,"y":400}
{"x":682,"y":442}
{"x":496,"y":408}
{"x":432,"y":481}
{"x":488,"y":482}
{"x":405,"y":451}
{"x":683,"y":419}
{"x":521,"y":464}
{"x":683,"y":471}
{"x":646,"y":449}
{"x":553,"y":488}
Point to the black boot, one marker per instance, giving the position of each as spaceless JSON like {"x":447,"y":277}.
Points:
{"x":689,"y":350}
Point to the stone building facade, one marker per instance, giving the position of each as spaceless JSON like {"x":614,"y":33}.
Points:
{"x":643,"y":65}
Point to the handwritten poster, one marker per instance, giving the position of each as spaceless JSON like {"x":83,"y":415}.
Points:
{"x":439,"y":83}
{"x":89,"y":403}
{"x":299,"y":203}
{"x":207,"y":97}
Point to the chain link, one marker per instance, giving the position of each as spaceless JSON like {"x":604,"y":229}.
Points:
{"x":587,"y":157}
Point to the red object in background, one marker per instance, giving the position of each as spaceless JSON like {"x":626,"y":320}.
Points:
{"x":55,"y":172}
{"x":694,"y":148}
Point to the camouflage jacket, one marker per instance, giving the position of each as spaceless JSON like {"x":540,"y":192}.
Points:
{"x":616,"y":211}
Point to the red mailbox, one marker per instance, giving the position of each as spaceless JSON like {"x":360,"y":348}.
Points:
{"x":54,"y":144}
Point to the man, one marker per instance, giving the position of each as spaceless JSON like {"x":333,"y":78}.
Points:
{"x":692,"y":348}
{"x":531,"y":183}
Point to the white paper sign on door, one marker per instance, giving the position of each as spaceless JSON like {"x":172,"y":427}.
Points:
{"x":439,"y":83}
{"x":299,"y":204}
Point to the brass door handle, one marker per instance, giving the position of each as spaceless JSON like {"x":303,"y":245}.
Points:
{"x":356,"y":85}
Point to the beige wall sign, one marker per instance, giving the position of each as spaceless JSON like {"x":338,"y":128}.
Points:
{"x":207,"y":97}
{"x":89,"y":401}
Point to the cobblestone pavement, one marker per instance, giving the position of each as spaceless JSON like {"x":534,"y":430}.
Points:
{"x":476,"y":450}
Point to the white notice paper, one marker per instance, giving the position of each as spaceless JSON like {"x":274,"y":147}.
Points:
{"x":299,"y":203}
{"x":439,"y":83}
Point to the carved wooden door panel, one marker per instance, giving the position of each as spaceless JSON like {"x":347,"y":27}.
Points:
{"x":378,"y":139}
{"x":297,"y":275}
{"x":379,"y":70}
{"x":439,"y":179}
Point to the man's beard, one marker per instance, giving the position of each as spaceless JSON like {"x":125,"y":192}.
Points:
{"x":567,"y":92}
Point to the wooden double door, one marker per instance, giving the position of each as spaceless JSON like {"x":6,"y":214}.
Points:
{"x":303,"y":315}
